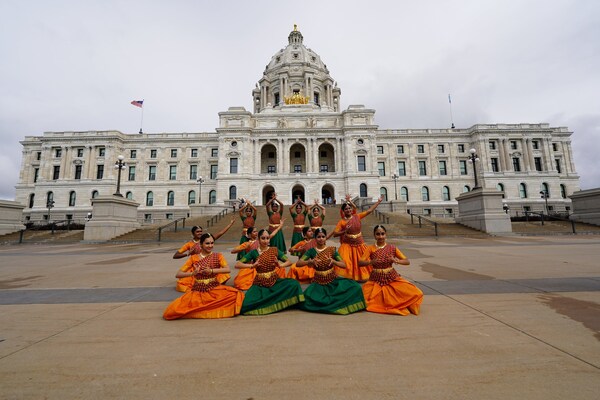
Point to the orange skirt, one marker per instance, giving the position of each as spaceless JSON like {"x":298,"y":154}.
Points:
{"x":399,"y":297}
{"x":351,"y":255}
{"x":301,"y":274}
{"x":220,"y":302}
{"x":185,"y":284}
{"x":245,"y":277}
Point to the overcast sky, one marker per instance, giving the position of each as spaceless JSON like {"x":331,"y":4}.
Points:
{"x":77,"y":65}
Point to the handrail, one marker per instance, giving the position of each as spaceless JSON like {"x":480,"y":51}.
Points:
{"x":382,"y":216}
{"x":160,"y":229}
{"x":542,"y":215}
{"x":420,"y":217}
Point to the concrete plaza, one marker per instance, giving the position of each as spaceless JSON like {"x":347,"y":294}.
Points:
{"x":503,"y":318}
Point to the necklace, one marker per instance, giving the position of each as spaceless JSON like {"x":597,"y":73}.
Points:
{"x":382,"y":246}
{"x":204,"y":255}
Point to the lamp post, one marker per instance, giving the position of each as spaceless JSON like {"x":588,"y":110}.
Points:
{"x":544,"y":194}
{"x":119,"y":166}
{"x":473,"y":159}
{"x":395,"y":178}
{"x":200,"y":181}
{"x":49,"y":206}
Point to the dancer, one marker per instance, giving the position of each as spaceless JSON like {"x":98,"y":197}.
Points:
{"x":268,"y":293}
{"x":306,"y":273}
{"x":386,"y":291}
{"x":298,"y":210}
{"x":207,"y":298}
{"x":247,"y":213}
{"x":274,"y":211}
{"x":352,"y":245}
{"x":316,"y":215}
{"x":191,"y":249}
{"x":329,"y":293}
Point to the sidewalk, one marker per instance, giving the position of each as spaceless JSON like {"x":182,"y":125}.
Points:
{"x":503,"y":318}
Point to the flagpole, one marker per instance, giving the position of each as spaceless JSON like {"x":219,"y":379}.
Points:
{"x":142,"y":121}
{"x":451,"y":117}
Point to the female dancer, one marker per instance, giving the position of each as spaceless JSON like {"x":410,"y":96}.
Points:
{"x":298,"y":210}
{"x":191,"y":249}
{"x":352,"y":244}
{"x":274,"y":211}
{"x":302,"y":274}
{"x":248,"y":215}
{"x":245,"y":277}
{"x":386,"y":291}
{"x":316,"y":216}
{"x":268,"y":293}
{"x":207,"y":298}
{"x":329,"y":293}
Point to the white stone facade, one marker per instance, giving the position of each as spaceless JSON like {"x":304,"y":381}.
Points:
{"x":307,"y":147}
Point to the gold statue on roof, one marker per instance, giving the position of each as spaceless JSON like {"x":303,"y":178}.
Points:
{"x":296,"y":98}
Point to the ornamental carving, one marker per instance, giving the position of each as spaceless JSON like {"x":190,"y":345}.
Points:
{"x":233,"y":154}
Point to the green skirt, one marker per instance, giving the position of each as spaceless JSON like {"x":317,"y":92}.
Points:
{"x":279,"y":242}
{"x":342,"y":296}
{"x":241,"y":254}
{"x":261,"y":300}
{"x":296,"y":238}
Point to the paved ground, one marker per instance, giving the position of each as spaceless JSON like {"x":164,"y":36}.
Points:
{"x":503,"y":318}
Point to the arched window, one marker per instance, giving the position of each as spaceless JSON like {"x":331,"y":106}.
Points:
{"x":446,"y":193}
{"x":149,"y":199}
{"x":31,"y":200}
{"x":546,"y":189}
{"x":129,"y":195}
{"x":404,"y":193}
{"x":500,"y":187}
{"x":72,"y":197}
{"x":522,"y":191}
{"x":563,"y":191}
{"x":383,"y":193}
{"x":94,"y":194}
{"x":232,"y":192}
{"x":425,"y":193}
{"x":171,"y":198}
{"x":363,"y":190}
{"x":191,"y":197}
{"x":49,"y":197}
{"x":466,"y":188}
{"x":212,"y":197}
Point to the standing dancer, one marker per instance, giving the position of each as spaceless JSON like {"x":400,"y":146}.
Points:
{"x":352,"y":245}
{"x":207,"y":298}
{"x":274,"y":211}
{"x":386,"y":291}
{"x":316,"y":215}
{"x":298,"y":210}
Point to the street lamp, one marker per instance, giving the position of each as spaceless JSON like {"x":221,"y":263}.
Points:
{"x":200,"y":182}
{"x":119,"y":165}
{"x":395,"y":178}
{"x":49,"y":206}
{"x":473,"y":159}
{"x":544,"y":194}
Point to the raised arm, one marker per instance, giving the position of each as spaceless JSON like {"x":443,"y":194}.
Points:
{"x":374,"y":206}
{"x":221,"y":233}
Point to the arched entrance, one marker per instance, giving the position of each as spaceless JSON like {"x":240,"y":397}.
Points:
{"x":267,"y":192}
{"x":298,"y":191}
{"x":327,"y":194}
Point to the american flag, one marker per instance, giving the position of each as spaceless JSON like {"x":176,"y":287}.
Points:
{"x":138,"y":103}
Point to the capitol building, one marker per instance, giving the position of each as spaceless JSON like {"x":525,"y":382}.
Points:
{"x":297,"y":140}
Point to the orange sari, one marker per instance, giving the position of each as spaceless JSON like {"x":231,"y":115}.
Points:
{"x":185,"y":284}
{"x":352,"y":247}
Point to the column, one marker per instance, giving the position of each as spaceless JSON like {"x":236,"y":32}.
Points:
{"x":548,"y":154}
{"x":509,"y":166}
{"x":528,"y":155}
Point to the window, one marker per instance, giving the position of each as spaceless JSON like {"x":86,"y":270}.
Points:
{"x":171,"y":198}
{"x":400,"y":149}
{"x":169,"y":216}
{"x":153,"y":153}
{"x":191,"y":197}
{"x":462,"y":165}
{"x":494,"y":164}
{"x":152,"y":173}
{"x":193,"y":171}
{"x":425,"y":193}
{"x":422,"y":168}
{"x":538,"y":163}
{"x":563,"y":191}
{"x":101,"y":152}
{"x":557,"y":163}
{"x":95,"y":194}
{"x":213,"y":171}
{"x":78,"y":169}
{"x":535,"y":144}
{"x":31,"y":200}
{"x":271,"y":154}
{"x":270,"y":169}
{"x":297,"y":169}
{"x":214,"y":152}
{"x":513,"y":144}
{"x":194,"y":153}
{"x":420,"y":148}
{"x":133,"y":154}
{"x":233,"y":165}
{"x":72,"y":197}
{"x":324,"y":168}
{"x":522,"y":191}
{"x":316,"y":97}
{"x":79,"y":153}
{"x":173,"y":153}
{"x":555,"y":146}
{"x":440,"y":148}
{"x":232,"y":192}
{"x":442,"y":165}
{"x":546,"y":189}
{"x":132,"y":172}
{"x":404,"y":193}
{"x":148,"y":217}
{"x":297,"y":154}
{"x":466,"y":188}
{"x":38,"y":155}
{"x":401,"y":168}
{"x":427,"y":211}
{"x":381,"y":168}
{"x":212,"y":197}
{"x":461,"y":148}
{"x":99,"y":171}
{"x":500,"y":188}
{"x":36,"y":173}
{"x":492,"y":145}
{"x":383,"y":193}
{"x":379,"y":149}
{"x":517,"y":164}
{"x":362,"y":163}
{"x":49,"y":199}
{"x":56,"y":172}
{"x":149,"y":199}
{"x":172,"y":172}
{"x":276,"y":101}
{"x":58,"y":153}
{"x":363,"y":190}
{"x":446,"y":193}
{"x":129,"y":195}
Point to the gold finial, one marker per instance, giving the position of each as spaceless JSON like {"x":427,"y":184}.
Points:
{"x":295,"y":28}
